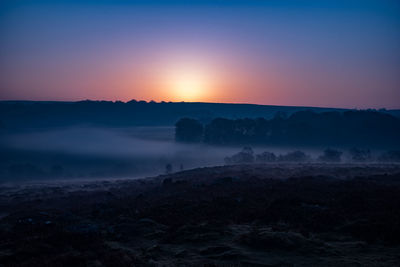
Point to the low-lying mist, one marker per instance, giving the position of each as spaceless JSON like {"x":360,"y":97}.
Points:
{"x":92,"y":152}
{"x":82,"y":152}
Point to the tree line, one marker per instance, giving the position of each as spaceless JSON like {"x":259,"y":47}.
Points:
{"x":308,"y":128}
{"x":246,"y":156}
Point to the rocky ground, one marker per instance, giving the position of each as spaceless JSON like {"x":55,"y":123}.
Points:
{"x":248,"y":215}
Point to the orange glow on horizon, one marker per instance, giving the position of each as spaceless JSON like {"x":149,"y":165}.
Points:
{"x":188,"y":84}
{"x":177,"y":79}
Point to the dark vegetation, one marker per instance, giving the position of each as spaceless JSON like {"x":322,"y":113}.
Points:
{"x":304,"y":128}
{"x":329,"y":155}
{"x":360,"y":155}
{"x":247,"y":156}
{"x":189,"y":130}
{"x":249,"y":215}
{"x":17,"y":115}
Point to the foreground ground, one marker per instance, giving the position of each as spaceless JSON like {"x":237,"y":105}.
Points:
{"x":250,"y":215}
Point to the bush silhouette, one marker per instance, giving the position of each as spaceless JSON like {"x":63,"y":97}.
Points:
{"x":295,"y":156}
{"x":266,"y":157}
{"x":331,"y":155}
{"x":360,"y":155}
{"x":244,"y":156}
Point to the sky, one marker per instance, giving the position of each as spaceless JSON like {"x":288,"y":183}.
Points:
{"x":274,"y":52}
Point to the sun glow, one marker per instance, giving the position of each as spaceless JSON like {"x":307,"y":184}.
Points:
{"x":185,"y":79}
{"x":189,"y":85}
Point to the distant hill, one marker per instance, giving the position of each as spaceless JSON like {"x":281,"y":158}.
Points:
{"x":43,"y":114}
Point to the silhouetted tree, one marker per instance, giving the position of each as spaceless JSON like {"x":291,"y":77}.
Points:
{"x":188,"y":130}
{"x":266,"y":157}
{"x":295,"y":156}
{"x":360,"y":155}
{"x":220,"y":131}
{"x":331,"y":155}
{"x":244,"y":156}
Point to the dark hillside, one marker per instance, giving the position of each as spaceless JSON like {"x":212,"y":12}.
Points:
{"x":37,"y":114}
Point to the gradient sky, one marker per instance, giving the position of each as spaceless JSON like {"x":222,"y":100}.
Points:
{"x":312,"y":53}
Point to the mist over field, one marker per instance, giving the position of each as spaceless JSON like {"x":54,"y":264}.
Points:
{"x":83,"y":152}
{"x":107,"y":152}
{"x":79,"y":152}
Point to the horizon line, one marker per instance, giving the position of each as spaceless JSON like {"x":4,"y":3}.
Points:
{"x":191,"y":102}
